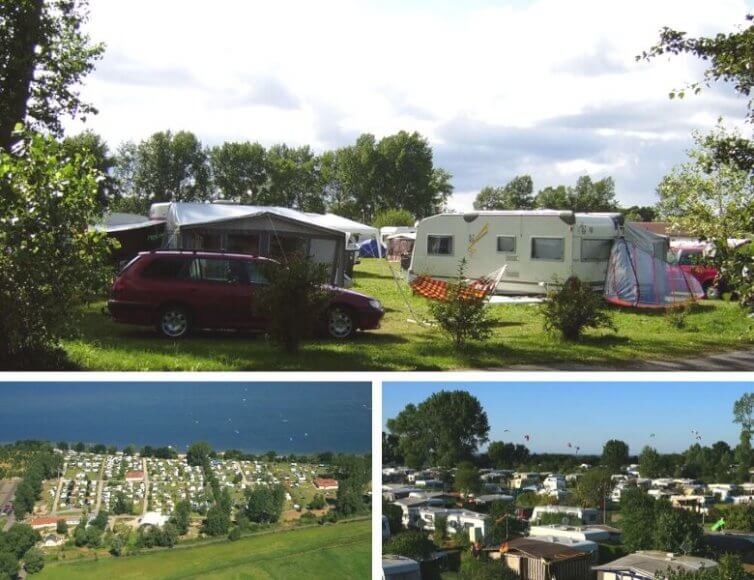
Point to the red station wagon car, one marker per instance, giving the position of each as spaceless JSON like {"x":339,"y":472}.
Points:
{"x":690,"y":257}
{"x":178,"y":291}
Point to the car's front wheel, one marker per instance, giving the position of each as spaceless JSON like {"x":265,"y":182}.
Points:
{"x":340,"y":323}
{"x":712,"y":292}
{"x":174,"y":322}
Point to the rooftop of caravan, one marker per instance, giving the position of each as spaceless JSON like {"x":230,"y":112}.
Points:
{"x":651,"y":562}
{"x":566,"y":215}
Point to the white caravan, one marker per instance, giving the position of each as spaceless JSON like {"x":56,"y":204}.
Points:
{"x":539,"y":247}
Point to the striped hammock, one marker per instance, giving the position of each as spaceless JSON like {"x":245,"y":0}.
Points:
{"x":440,"y":290}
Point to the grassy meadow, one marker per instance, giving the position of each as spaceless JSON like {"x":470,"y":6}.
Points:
{"x":518,"y":338}
{"x":333,"y":551}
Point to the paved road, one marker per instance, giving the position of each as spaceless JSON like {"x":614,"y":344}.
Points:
{"x":145,"y":505}
{"x":742,"y":360}
{"x":7,"y":493}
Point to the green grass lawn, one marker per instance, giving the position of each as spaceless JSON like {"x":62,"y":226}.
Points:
{"x":334,"y":551}
{"x":400,"y":345}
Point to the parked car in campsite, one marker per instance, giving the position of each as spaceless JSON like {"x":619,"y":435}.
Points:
{"x":691,"y":259}
{"x":179,"y":290}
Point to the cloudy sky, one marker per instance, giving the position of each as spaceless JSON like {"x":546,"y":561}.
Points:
{"x":500,"y":88}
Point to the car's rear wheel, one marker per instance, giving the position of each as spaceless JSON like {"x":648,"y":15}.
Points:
{"x":340,"y":323}
{"x":174,"y":322}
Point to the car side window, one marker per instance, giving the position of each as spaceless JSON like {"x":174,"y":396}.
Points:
{"x":165,"y":268}
{"x":211,"y":270}
{"x":255,"y":273}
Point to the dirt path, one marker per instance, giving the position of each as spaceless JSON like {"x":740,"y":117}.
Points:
{"x":7,"y":493}
{"x":740,"y":360}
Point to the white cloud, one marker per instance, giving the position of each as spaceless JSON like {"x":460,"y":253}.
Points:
{"x":323,"y":72}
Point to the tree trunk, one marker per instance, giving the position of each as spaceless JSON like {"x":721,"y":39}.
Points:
{"x":15,"y":89}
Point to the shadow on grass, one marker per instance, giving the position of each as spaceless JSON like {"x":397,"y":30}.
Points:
{"x":51,"y":359}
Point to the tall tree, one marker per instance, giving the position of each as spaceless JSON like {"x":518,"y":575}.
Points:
{"x":467,"y":478}
{"x":239,"y":170}
{"x":614,"y":454}
{"x":650,"y":463}
{"x":593,"y":196}
{"x":516,"y":194}
{"x":729,"y":57}
{"x":293,"y":179}
{"x":507,"y":455}
{"x":167,"y":167}
{"x":90,"y":144}
{"x":553,"y":198}
{"x":44,"y":57}
{"x":743,"y":414}
{"x":410,"y":179}
{"x":444,"y":429}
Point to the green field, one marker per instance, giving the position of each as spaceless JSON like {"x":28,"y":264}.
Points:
{"x":335,"y":551}
{"x":399,"y":345}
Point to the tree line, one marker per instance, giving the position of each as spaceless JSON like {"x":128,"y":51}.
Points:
{"x":357,"y":181}
{"x":448,"y":430}
{"x":586,"y":195}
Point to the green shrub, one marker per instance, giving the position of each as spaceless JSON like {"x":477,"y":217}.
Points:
{"x":393,"y":217}
{"x":235,"y":534}
{"x":411,"y":544}
{"x":441,"y":527}
{"x":295,"y":300}
{"x":573,"y":308}
{"x":463,"y":316}
{"x":51,"y":262}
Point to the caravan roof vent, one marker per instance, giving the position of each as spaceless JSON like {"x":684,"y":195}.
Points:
{"x":470,"y":216}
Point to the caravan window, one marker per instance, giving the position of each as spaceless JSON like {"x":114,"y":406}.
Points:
{"x":547,"y":249}
{"x":283,"y":248}
{"x":440,"y":245}
{"x":596,"y":250}
{"x":243,"y":244}
{"x":506,"y":244}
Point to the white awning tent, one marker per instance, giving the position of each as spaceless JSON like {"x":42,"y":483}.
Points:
{"x":262,"y":230}
{"x":119,"y":222}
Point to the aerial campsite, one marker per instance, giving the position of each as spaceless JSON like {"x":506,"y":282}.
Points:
{"x":471,"y":483}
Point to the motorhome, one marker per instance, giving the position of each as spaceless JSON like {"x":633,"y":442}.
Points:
{"x":538,"y":247}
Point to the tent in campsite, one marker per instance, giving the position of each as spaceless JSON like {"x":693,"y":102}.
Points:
{"x":640,"y":276}
{"x":371,"y":249}
{"x":273,"y":232}
{"x":400,"y":244}
{"x":134,"y":233}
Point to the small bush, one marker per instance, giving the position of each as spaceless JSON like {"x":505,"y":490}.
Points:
{"x":235,"y":534}
{"x":393,"y":217}
{"x":676,"y":316}
{"x":573,"y":308}
{"x":463,"y":316}
{"x":412,"y":544}
{"x":295,"y":300}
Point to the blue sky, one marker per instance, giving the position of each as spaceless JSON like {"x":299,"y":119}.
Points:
{"x":588,"y":414}
{"x":500,"y":88}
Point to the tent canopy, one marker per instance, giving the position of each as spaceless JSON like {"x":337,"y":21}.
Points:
{"x":639,"y":275}
{"x":371,"y":249}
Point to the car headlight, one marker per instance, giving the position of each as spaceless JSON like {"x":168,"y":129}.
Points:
{"x":375,"y":304}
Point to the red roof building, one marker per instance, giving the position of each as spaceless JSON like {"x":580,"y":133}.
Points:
{"x":325,"y":483}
